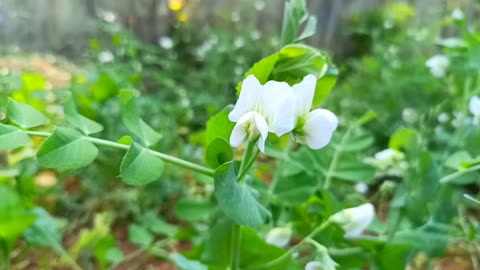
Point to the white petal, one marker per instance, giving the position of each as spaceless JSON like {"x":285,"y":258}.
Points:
{"x":239,"y":132}
{"x":304,"y":92}
{"x":249,"y":98}
{"x":279,"y":237}
{"x":314,"y":266}
{"x":474,"y":105}
{"x":262,"y":127}
{"x":278,"y":105}
{"x":319,"y":127}
{"x":361,"y":216}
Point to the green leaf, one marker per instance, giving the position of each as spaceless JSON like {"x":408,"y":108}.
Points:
{"x":66,"y":148}
{"x":218,"y":244}
{"x":262,"y":70}
{"x":76,"y":120}
{"x":32,"y":82}
{"x":14,"y":220}
{"x":157,"y":225}
{"x":139,"y":166}
{"x":309,"y":30}
{"x":295,"y":189}
{"x":104,"y":88}
{"x":12,"y":137}
{"x":139,"y":235}
{"x":24,"y":115}
{"x":403,"y":139}
{"x":193,"y":210}
{"x":219,"y":126}
{"x":456,"y":160}
{"x":44,"y":232}
{"x":218,"y":152}
{"x":294,"y":15}
{"x":186,"y":264}
{"x":133,"y":122}
{"x":237,"y":200}
{"x":294,"y":62}
{"x":255,"y":251}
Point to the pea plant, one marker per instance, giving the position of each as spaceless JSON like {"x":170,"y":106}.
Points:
{"x":285,"y":180}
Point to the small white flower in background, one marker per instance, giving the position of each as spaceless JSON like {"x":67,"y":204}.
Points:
{"x":443,"y":117}
{"x":261,"y":109}
{"x":361,"y":188}
{"x":313,"y":128}
{"x":108,"y":16}
{"x":457,"y":14}
{"x":105,"y":56}
{"x":279,"y":237}
{"x":386,"y":154}
{"x":165,"y":42}
{"x":458,"y":119}
{"x":409,"y":115}
{"x":438,"y":65}
{"x":355,"y":220}
{"x":474,"y":106}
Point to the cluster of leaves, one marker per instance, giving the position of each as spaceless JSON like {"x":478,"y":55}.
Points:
{"x":421,"y":207}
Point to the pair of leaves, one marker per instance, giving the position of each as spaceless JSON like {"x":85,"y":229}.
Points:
{"x":292,"y":63}
{"x":295,"y":15}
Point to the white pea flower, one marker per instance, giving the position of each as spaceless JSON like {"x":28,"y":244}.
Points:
{"x":443,"y":117}
{"x":438,"y":65}
{"x":313,"y":128}
{"x":361,"y":188}
{"x":320,"y":266}
{"x":261,"y":109}
{"x":474,"y":106}
{"x":165,"y":42}
{"x":105,"y":56}
{"x":386,"y":154}
{"x":279,"y":237}
{"x":457,"y":14}
{"x":355,"y":220}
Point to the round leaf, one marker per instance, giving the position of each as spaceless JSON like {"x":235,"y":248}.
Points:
{"x":12,"y":137}
{"x":24,"y":115}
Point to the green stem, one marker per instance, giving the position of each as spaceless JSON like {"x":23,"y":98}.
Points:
{"x":249,"y":158}
{"x":164,"y":157}
{"x":335,"y":159}
{"x":457,"y":174}
{"x":235,"y":247}
{"x":280,"y":259}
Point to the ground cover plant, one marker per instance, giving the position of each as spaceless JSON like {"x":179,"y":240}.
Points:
{"x":273,"y":166}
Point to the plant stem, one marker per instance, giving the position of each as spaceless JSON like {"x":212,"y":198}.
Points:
{"x":249,"y":158}
{"x":335,"y":159}
{"x":167,"y":158}
{"x":280,"y":259}
{"x":235,"y":247}
{"x":457,"y":174}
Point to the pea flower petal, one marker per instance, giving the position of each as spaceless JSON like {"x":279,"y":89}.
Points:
{"x":279,"y":237}
{"x":354,"y":220}
{"x":261,"y":109}
{"x":474,"y":106}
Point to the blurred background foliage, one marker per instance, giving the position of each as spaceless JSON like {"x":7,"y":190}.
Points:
{"x":184,"y":59}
